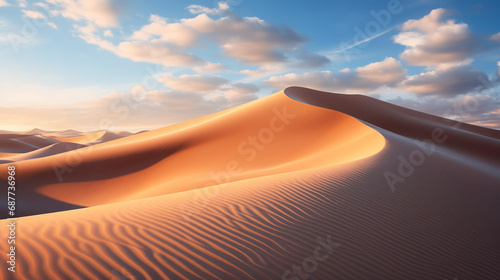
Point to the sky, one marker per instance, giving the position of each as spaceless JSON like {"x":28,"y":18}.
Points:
{"x":140,"y":65}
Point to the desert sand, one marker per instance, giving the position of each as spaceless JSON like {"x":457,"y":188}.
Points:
{"x":252,"y":193}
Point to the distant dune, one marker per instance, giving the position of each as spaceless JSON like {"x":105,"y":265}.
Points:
{"x":53,"y":149}
{"x":252,"y":192}
{"x":94,"y":137}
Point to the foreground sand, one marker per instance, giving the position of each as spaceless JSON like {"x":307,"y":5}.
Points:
{"x":321,"y":179}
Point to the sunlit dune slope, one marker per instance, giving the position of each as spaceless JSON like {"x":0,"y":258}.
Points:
{"x":269,"y":136}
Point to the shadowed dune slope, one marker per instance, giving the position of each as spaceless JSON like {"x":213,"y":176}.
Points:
{"x":15,"y":146}
{"x":474,"y":141}
{"x":269,"y":136}
{"x":37,"y":141}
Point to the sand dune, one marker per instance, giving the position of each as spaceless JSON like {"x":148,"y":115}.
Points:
{"x":320,"y":180}
{"x":53,"y":149}
{"x":64,"y":133}
{"x":124,"y":133}
{"x":37,"y":141}
{"x":163,"y":161}
{"x":4,"y":155}
{"x":90,"y":138}
{"x":15,"y":146}
{"x":460,"y":137}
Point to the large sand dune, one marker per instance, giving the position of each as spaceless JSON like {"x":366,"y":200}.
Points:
{"x":252,"y":193}
{"x":270,"y":136}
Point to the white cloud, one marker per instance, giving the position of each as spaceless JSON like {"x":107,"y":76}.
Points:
{"x":495,"y":37}
{"x":193,"y":83}
{"x":447,"y":81}
{"x":431,"y":41}
{"x":180,"y":34}
{"x":21,"y":3}
{"x":33,"y":14}
{"x":4,"y":3}
{"x":254,"y":41}
{"x":361,"y":80}
{"x":209,"y":68}
{"x":156,"y":53}
{"x":241,"y":93}
{"x":249,"y":40}
{"x":102,"y":13}
{"x":88,"y":34}
{"x":51,"y":24}
{"x":384,"y":72}
{"x":478,"y":109}
{"x":107,"y":33}
{"x":197,"y":9}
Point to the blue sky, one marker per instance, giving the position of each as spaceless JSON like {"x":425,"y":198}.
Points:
{"x":136,"y":65}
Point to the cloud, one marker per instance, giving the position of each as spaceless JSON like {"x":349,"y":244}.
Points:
{"x":156,"y":53}
{"x":51,"y":24}
{"x":21,"y":3}
{"x":102,"y":13}
{"x":309,"y":60}
{"x":363,"y":79}
{"x":239,"y":93}
{"x":385,"y":72}
{"x":154,"y":43}
{"x":249,"y":40}
{"x":89,"y":34}
{"x":197,"y":9}
{"x":447,"y":81}
{"x":209,"y":68}
{"x":4,"y":3}
{"x":495,"y":37}
{"x":431,"y":41}
{"x":180,"y":34}
{"x":193,"y":83}
{"x":33,"y":14}
{"x":107,"y":33}
{"x":478,"y":109}
{"x":254,"y":41}
{"x":38,"y":15}
{"x":135,"y":110}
